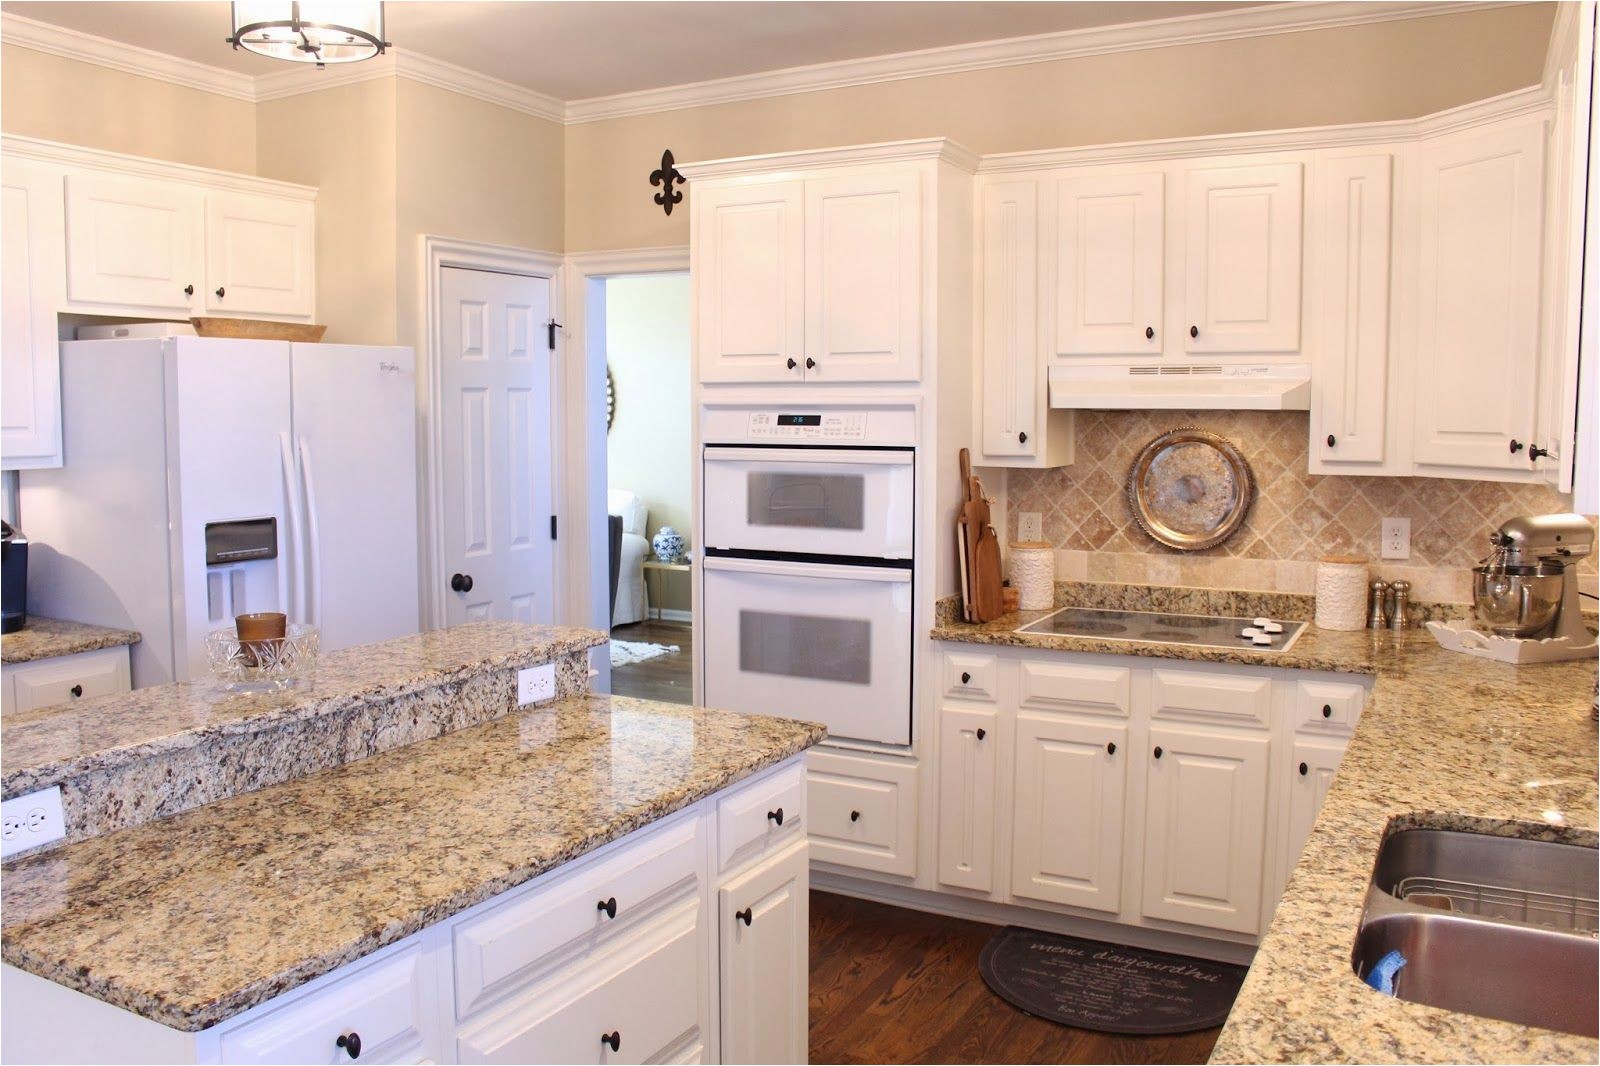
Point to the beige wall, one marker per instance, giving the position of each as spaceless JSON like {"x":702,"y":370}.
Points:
{"x":1381,"y":71}
{"x":343,"y":141}
{"x":64,"y":100}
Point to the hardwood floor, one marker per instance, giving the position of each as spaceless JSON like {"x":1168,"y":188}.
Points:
{"x":895,"y":985}
{"x":669,"y":678}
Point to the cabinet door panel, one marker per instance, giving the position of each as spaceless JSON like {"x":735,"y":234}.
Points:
{"x":749,"y":280}
{"x":1068,"y":825}
{"x":1308,"y":790}
{"x":1478,"y":328}
{"x":764,"y":961}
{"x":1109,"y":247}
{"x":260,"y":254}
{"x":1205,"y":828}
{"x":31,"y":233}
{"x":1010,"y":368}
{"x":132,"y":242}
{"x":1242,"y":248}
{"x":863,"y":241}
{"x":1349,"y":416}
{"x":968,"y":753}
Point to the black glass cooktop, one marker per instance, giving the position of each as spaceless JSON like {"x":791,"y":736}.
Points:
{"x":1193,"y":629}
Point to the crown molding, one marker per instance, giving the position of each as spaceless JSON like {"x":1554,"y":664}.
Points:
{"x":299,"y":80}
{"x":1265,"y":20}
{"x":14,"y":145}
{"x":399,"y":63}
{"x":87,"y":48}
{"x":939,"y":148}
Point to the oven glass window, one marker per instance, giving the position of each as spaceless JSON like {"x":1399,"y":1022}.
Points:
{"x":810,"y":501}
{"x":809,"y":646}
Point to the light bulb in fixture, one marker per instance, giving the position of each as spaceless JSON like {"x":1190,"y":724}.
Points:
{"x":309,"y":31}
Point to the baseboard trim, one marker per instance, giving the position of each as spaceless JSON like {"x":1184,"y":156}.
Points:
{"x":668,"y":614}
{"x":992,"y":913}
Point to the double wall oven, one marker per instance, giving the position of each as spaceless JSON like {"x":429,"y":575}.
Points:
{"x":809,"y":554}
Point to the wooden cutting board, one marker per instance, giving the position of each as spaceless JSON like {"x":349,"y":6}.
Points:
{"x":983,"y":549}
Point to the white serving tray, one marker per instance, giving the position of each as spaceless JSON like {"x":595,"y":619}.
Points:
{"x":1459,"y":636}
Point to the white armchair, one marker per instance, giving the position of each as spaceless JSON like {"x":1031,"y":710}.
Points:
{"x":635,"y":515}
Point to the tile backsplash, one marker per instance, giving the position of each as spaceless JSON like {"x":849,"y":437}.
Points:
{"x":1296,"y":518}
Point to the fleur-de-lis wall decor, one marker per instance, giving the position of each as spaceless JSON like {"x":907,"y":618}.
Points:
{"x":666,"y":177}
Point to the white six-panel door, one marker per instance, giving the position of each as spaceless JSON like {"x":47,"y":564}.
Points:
{"x":1109,"y":263}
{"x":1478,"y":327}
{"x":749,"y":281}
{"x":1242,"y":238}
{"x":132,"y":242}
{"x":1009,"y":296}
{"x":495,"y":473}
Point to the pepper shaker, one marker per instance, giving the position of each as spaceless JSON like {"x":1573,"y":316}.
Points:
{"x":1378,"y":619}
{"x":1402,"y":593}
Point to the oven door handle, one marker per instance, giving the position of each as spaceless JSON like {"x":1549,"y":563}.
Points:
{"x":829,"y":571}
{"x":820,"y":454}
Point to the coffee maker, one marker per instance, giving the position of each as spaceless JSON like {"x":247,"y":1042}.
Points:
{"x":13,"y":578}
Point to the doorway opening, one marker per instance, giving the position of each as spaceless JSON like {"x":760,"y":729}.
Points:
{"x":651,"y":527}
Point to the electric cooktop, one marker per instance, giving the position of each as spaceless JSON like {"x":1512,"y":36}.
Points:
{"x":1196,"y":630}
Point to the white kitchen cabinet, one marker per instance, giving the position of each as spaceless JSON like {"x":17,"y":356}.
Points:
{"x":31,"y":234}
{"x":1010,"y":366}
{"x":1205,"y":831}
{"x":133,"y":243}
{"x":65,"y":679}
{"x":1067,"y":825}
{"x":1242,"y":258}
{"x":1350,"y":375}
{"x":969,"y":756}
{"x":260,"y":255}
{"x":1314,"y":761}
{"x":863,"y":811}
{"x":863,"y":260}
{"x":1481,"y":196}
{"x":749,"y":278}
{"x":1109,"y":250}
{"x":764,"y":917}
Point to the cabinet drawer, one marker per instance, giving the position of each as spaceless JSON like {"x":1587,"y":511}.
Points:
{"x":651,"y":993}
{"x":863,"y":812}
{"x":49,"y":682}
{"x":761,"y":815}
{"x":1328,"y":706}
{"x":1054,"y":685}
{"x":971,"y":677}
{"x":1200,"y":697}
{"x":508,"y":944}
{"x":389,"y":1003}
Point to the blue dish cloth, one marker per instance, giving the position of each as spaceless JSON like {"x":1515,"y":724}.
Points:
{"x":1383,"y":971}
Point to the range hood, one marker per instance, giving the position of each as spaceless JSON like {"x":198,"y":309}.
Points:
{"x":1187,"y":387}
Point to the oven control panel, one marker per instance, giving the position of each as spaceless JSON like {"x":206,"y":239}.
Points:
{"x":843,"y":426}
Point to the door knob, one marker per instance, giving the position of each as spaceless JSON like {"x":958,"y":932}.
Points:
{"x":744,"y":916}
{"x":1158,"y":751}
{"x":1516,"y":446}
{"x":1194,"y":331}
{"x":1149,"y":333}
{"x":351,"y":1042}
{"x":609,"y":906}
{"x":461,"y":582}
{"x":776,"y":816}
{"x":221,"y":292}
{"x":982,"y":732}
{"x":793,"y":364}
{"x":613,"y":1038}
{"x":188,"y":290}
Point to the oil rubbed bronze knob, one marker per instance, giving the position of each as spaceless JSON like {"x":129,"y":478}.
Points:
{"x":746,"y":916}
{"x":775,"y":816}
{"x":1536,"y":453}
{"x":1149,"y":333}
{"x":1304,"y":769}
{"x":221,"y":292}
{"x":1022,"y":438}
{"x":982,"y":733}
{"x":966,"y":678}
{"x":609,"y":906}
{"x":811,"y":364}
{"x":351,"y":1042}
{"x":793,"y":364}
{"x":1331,"y":440}
{"x":1194,"y":331}
{"x":76,"y":690}
{"x":461,"y":582}
{"x":1111,"y":747}
{"x":1516,"y":446}
{"x":188,"y":290}
{"x":855,"y":816}
{"x":613,"y":1038}
{"x":1158,"y":751}
{"x":1327,"y":710}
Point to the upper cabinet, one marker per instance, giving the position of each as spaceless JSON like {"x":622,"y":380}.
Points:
{"x":132,"y":242}
{"x":30,"y":291}
{"x":259,"y":255}
{"x":812,"y":279}
{"x":1241,"y":233}
{"x":1109,"y":246}
{"x":1481,"y":200}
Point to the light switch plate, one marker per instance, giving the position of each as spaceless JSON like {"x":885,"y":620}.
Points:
{"x":31,"y":820}
{"x":535,"y":684}
{"x":1396,"y":536}
{"x":1030,"y":526}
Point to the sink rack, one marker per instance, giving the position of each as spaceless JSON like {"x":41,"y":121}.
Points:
{"x":1569,"y":913}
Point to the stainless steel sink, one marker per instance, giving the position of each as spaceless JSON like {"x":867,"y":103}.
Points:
{"x":1500,"y":927}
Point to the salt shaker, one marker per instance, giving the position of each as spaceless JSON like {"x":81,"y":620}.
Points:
{"x":1402,"y":593}
{"x":1378,"y":619}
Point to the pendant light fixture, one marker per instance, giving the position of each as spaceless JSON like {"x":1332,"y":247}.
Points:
{"x":313,"y":31}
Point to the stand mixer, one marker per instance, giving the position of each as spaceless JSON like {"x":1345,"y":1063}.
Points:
{"x":1526,"y":593}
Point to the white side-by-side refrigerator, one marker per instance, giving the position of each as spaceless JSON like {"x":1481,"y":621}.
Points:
{"x":206,"y":478}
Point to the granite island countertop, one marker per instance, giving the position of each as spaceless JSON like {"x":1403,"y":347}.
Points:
{"x":51,"y":638}
{"x":194,"y":918}
{"x":1446,"y":740}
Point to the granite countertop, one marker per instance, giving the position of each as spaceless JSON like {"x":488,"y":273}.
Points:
{"x":45,"y":746}
{"x":192,"y":919}
{"x":1446,"y":740}
{"x":50,"y":638}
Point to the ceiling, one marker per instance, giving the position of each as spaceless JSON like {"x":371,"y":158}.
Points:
{"x":574,"y":51}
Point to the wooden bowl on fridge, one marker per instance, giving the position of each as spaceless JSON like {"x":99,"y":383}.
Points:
{"x":253,"y":329}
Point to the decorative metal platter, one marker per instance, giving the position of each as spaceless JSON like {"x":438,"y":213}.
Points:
{"x":1190,"y":489}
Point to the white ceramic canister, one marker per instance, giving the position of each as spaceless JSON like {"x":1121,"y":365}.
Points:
{"x":1033,"y":574}
{"x":1342,"y":592}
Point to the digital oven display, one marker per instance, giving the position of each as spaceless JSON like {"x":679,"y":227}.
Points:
{"x":799,"y":420}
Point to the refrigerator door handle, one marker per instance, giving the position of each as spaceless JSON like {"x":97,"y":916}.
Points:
{"x":314,"y":534}
{"x":292,"y":605}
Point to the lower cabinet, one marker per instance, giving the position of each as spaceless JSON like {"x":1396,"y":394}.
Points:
{"x":863,"y":811}
{"x":1314,"y":761}
{"x":1205,"y":834}
{"x":764,"y":915}
{"x":65,"y":679}
{"x":1067,"y":821}
{"x":969,"y":755}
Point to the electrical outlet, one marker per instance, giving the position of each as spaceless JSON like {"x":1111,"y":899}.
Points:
{"x":535,"y":684}
{"x":31,"y":820}
{"x":1396,"y":538}
{"x":1030,"y":526}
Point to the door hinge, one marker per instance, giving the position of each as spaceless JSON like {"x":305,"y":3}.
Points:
{"x":551,"y":327}
{"x":552,"y":527}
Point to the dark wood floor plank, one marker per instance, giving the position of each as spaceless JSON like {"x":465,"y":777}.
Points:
{"x":890,"y":985}
{"x":669,"y":678}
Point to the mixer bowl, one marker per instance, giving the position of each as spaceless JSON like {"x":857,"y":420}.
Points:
{"x":1517,"y":601}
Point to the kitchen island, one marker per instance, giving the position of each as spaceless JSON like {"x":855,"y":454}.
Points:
{"x":439,"y":900}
